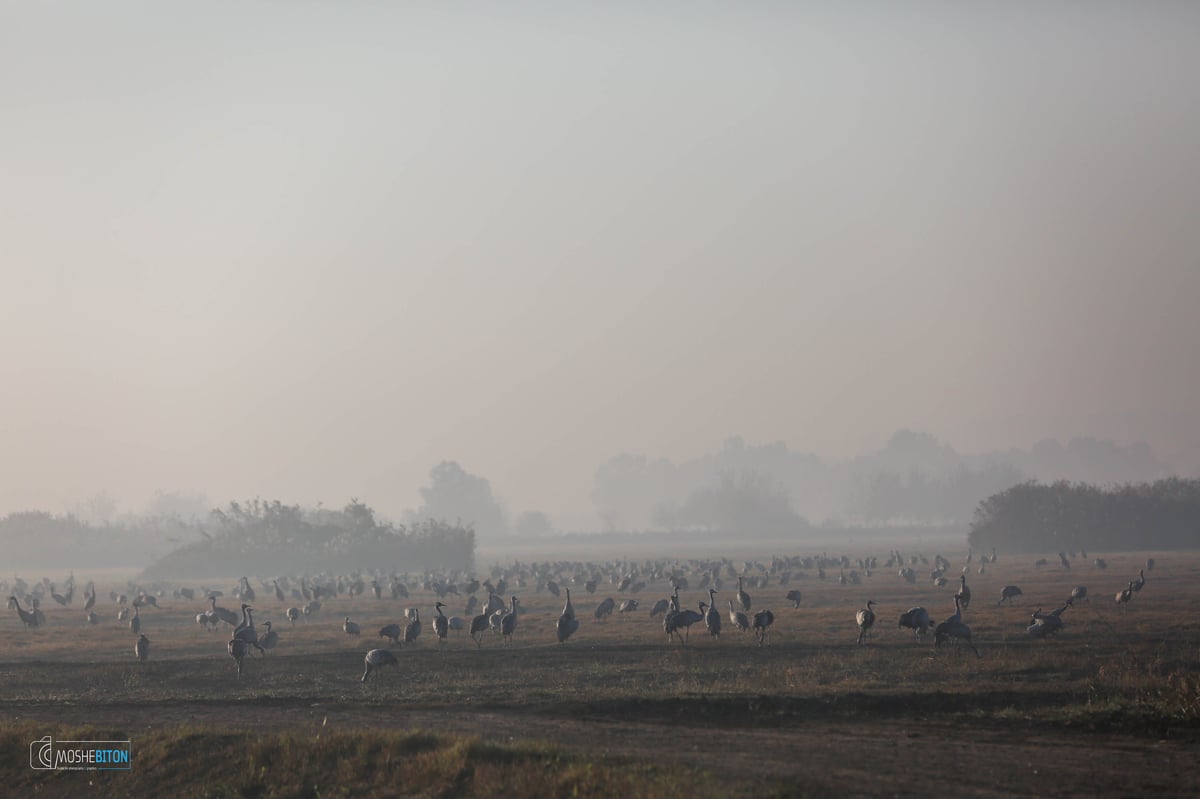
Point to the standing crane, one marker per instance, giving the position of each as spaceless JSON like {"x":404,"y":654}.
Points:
{"x":686,"y":618}
{"x":738,"y":619}
{"x":742,"y":597}
{"x":27,"y":617}
{"x":567,"y":624}
{"x":762,"y":624}
{"x":865,"y":619}
{"x":964,"y":593}
{"x":494,"y":604}
{"x":413,"y":628}
{"x":441,"y":625}
{"x":269,"y":640}
{"x":670,"y":627}
{"x":1124,"y":595}
{"x":479,"y":626}
{"x":712,"y":617}
{"x":953,"y":627}
{"x":246,"y":631}
{"x":237,"y":650}
{"x":508,"y":623}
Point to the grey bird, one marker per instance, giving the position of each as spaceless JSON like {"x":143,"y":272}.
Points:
{"x":865,"y":619}
{"x":377,"y":659}
{"x":567,"y":624}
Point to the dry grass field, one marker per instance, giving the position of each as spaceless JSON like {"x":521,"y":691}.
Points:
{"x":1111,"y":704}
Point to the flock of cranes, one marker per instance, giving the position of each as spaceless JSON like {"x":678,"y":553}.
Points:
{"x":501,"y":618}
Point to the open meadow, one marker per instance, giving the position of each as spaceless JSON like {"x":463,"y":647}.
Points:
{"x":1111,"y":703}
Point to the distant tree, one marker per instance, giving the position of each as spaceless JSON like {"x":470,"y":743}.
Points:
{"x":913,"y":479}
{"x":915,"y":451}
{"x":533,"y":523}
{"x":271,"y":537}
{"x":39,"y":539}
{"x":1032,"y":517}
{"x":921,"y":497}
{"x":628,"y":490}
{"x":454,"y":493}
{"x":359,"y":515}
{"x":100,"y":509}
{"x":877,"y":497}
{"x":1089,"y":460}
{"x":748,"y":502}
{"x":183,"y":505}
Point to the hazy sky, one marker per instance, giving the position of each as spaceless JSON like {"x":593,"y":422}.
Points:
{"x":308,"y":250}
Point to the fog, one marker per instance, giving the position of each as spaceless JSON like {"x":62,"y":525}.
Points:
{"x":310,"y":252}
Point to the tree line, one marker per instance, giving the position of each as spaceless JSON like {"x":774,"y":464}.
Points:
{"x":253,"y":537}
{"x":272,"y":538}
{"x":913,"y":479}
{"x":1066,"y":517}
{"x":37,"y":539}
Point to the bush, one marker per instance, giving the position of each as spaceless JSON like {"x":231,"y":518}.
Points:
{"x":272,"y":538}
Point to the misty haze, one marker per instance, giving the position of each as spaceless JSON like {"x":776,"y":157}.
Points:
{"x":391,"y":390}
{"x":767,"y":491}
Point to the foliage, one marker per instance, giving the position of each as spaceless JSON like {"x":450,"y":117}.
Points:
{"x":1065,"y":517}
{"x":918,"y":496}
{"x":533,"y":523}
{"x":454,"y":493}
{"x":750,"y":502}
{"x":185,"y":505}
{"x":188,"y":761}
{"x":914,"y":477}
{"x":271,"y":537}
{"x":36,"y":539}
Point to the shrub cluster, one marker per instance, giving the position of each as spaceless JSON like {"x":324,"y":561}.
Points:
{"x":273,"y":538}
{"x":1065,"y":517}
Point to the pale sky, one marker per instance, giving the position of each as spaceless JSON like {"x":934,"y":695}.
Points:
{"x":306,"y":251}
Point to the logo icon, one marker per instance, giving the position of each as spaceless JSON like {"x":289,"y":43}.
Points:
{"x":41,"y":753}
{"x":46,"y":754}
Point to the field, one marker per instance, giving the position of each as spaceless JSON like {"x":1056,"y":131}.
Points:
{"x":1111,"y":704}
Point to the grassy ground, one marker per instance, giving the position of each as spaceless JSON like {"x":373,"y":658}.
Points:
{"x":1111,"y":703}
{"x":180,"y":762}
